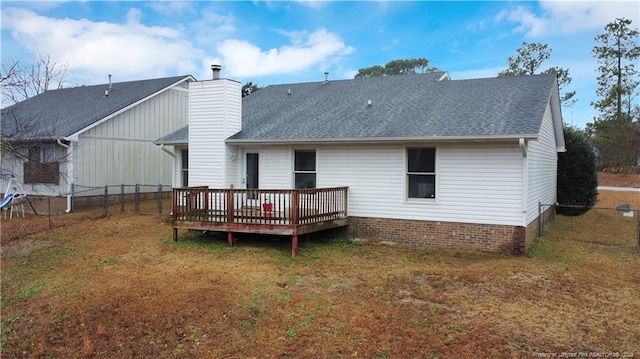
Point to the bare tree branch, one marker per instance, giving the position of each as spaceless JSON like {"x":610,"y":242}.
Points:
{"x":21,"y":132}
{"x":21,"y":82}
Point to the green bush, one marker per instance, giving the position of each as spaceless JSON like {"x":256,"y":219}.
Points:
{"x":577,"y":173}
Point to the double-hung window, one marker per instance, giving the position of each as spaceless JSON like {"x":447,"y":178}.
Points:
{"x":304,"y":171}
{"x":421,"y":172}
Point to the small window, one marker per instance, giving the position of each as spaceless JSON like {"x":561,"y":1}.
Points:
{"x":34,"y":153}
{"x":305,"y":169}
{"x":184,"y":167}
{"x":43,"y":154}
{"x":421,"y":172}
{"x":48,"y":154}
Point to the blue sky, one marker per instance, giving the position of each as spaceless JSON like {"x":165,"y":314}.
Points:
{"x":272,"y":42}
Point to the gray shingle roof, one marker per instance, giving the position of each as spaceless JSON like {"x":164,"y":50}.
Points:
{"x":178,"y":137}
{"x":56,"y":114}
{"x":408,"y":106}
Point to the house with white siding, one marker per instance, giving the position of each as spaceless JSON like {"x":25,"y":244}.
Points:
{"x":92,"y":136}
{"x":425,"y":160}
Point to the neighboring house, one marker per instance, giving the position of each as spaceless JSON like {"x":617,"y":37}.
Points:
{"x":93,"y":135}
{"x":428,"y":161}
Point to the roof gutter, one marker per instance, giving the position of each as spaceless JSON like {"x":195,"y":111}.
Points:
{"x":500,"y":138}
{"x":170,"y":143}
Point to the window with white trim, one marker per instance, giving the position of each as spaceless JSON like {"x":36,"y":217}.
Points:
{"x":421,"y":172}
{"x":304,"y":171}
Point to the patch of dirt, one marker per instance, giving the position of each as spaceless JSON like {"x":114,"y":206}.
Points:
{"x":619,"y":179}
{"x":25,"y":246}
{"x":119,"y":287}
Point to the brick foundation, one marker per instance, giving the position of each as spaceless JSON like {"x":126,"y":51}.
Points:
{"x":482,"y":237}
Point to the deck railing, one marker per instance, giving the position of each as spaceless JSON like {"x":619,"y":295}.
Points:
{"x":259,"y":206}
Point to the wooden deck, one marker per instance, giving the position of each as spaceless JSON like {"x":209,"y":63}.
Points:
{"x":281,"y":211}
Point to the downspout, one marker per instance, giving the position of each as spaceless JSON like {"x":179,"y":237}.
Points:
{"x":167,"y":151}
{"x":523,"y":146}
{"x":525,"y":184}
{"x":69,"y":171}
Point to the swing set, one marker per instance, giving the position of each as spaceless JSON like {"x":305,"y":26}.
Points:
{"x":14,"y":199}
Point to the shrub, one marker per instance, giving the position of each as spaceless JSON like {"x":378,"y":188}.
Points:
{"x":577,"y":173}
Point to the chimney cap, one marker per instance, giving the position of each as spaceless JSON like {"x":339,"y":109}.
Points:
{"x":215,"y":69}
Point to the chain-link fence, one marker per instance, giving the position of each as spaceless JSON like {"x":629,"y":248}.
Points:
{"x":34,"y":213}
{"x":122,"y":198}
{"x":607,"y":226}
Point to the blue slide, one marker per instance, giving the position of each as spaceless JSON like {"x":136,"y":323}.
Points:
{"x":7,"y":199}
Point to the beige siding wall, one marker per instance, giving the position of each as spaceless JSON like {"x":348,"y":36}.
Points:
{"x":542,"y":163}
{"x":121,"y":149}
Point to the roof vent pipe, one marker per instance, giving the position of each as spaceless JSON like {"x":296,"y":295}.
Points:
{"x":326,"y":76}
{"x":215,"y":69}
{"x":110,"y":87}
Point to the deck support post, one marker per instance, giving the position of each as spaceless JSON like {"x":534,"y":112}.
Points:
{"x":230,"y":238}
{"x":294,"y":245}
{"x":175,"y":234}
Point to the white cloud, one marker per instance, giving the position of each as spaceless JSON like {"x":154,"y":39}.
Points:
{"x":529,"y":23}
{"x":242,"y":59}
{"x":133,"y":50}
{"x":574,"y":16}
{"x":211,"y":27}
{"x":568,"y":17}
{"x":297,"y":38}
{"x":94,"y":49}
{"x":314,"y":4}
{"x":172,"y":7}
{"x":133,"y":16}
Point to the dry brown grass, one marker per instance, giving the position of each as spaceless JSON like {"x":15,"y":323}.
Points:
{"x":609,"y":199}
{"x":118,"y":287}
{"x":619,"y":179}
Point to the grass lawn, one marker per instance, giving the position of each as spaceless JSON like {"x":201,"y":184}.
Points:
{"x":119,"y":287}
